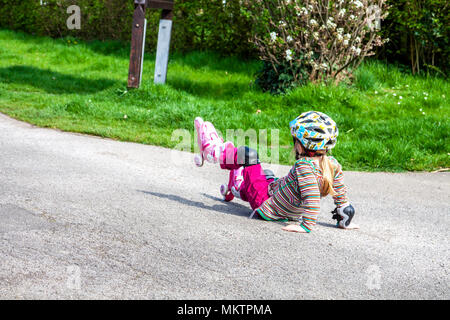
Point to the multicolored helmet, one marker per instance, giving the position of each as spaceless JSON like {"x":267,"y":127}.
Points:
{"x":315,"y":130}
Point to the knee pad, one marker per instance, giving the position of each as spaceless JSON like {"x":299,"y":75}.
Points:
{"x":247,"y":156}
{"x":269,"y":174}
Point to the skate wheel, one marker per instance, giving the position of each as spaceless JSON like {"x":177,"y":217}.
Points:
{"x":228,"y":197}
{"x":223,"y":190}
{"x":198,"y":160}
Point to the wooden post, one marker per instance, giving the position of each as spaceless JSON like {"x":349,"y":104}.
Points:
{"x":138,"y":40}
{"x":137,"y":44}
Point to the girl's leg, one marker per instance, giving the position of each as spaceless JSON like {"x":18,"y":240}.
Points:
{"x":246,"y":175}
{"x":213,"y":149}
{"x":209,"y":143}
{"x":231,"y":190}
{"x":253,"y":185}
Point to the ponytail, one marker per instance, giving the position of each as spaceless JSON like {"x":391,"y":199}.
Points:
{"x":328,"y":175}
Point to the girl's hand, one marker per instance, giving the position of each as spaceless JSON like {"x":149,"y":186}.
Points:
{"x":351,"y":226}
{"x":294,"y":228}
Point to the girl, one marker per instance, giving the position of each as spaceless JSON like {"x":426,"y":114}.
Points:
{"x":295,"y":196}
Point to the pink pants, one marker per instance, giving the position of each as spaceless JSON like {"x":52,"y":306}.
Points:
{"x":254,"y":188}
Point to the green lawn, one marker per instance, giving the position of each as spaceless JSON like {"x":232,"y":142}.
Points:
{"x":388,"y":120}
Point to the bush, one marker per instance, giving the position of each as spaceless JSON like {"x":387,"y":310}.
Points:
{"x":281,"y":79}
{"x":419,"y":32}
{"x":418,"y":29}
{"x":198,"y":25}
{"x":320,"y":38}
{"x":215,"y":25}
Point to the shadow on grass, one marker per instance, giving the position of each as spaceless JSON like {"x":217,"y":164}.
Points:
{"x":228,"y":207}
{"x":52,"y":81}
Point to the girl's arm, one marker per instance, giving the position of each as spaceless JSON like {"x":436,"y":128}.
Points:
{"x":340,"y":198}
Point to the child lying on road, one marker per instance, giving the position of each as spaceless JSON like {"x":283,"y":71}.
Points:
{"x":295,"y":196}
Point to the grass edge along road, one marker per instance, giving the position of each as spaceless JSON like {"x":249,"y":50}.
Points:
{"x":388,"y":119}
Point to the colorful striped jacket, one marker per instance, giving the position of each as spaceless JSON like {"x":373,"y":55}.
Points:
{"x":297,"y":195}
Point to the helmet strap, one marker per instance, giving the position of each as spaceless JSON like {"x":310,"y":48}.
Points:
{"x":305,"y":153}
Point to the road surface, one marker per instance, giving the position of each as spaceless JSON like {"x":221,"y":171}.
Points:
{"x":83,"y":217}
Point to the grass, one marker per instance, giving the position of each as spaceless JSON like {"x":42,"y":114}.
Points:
{"x":388,"y":120}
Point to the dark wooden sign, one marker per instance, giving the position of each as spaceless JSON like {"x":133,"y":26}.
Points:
{"x":160,"y":4}
{"x":138,"y":40}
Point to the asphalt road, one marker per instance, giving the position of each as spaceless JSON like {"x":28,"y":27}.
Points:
{"x":89,"y":218}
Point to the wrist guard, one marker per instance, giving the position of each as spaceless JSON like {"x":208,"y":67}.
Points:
{"x":343,"y":215}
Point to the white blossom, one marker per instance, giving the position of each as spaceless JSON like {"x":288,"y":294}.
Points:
{"x":289,"y":39}
{"x":288,"y":54}
{"x":330,"y":23}
{"x":302,"y":11}
{"x":358,"y":4}
{"x":273,"y":36}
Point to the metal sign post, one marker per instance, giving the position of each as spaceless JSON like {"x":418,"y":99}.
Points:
{"x":138,"y":40}
{"x":162,"y":50}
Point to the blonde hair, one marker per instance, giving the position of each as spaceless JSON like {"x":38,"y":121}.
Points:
{"x":328,"y":171}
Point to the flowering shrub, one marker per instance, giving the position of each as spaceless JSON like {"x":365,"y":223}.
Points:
{"x":326,"y":38}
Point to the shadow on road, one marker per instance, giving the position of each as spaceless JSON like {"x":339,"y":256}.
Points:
{"x":224,"y":207}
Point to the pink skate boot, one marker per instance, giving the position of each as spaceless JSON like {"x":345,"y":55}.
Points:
{"x":234,"y":185}
{"x":209,"y":143}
